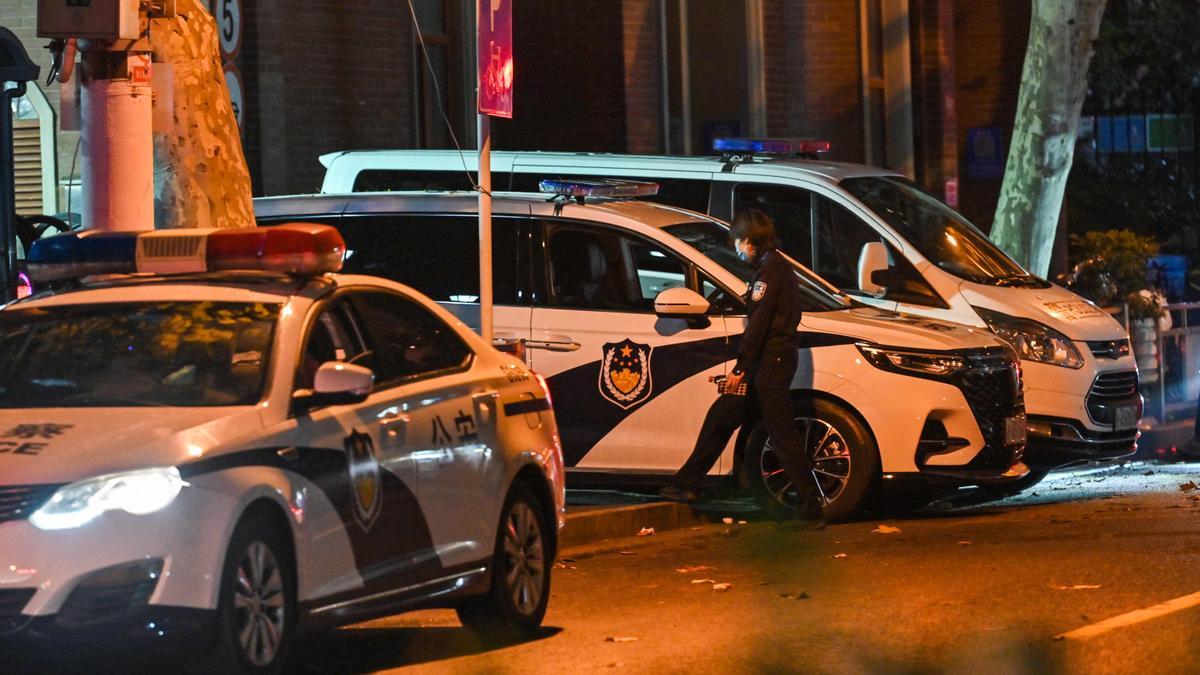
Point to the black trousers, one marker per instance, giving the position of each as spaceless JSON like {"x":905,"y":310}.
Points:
{"x":725,"y":415}
{"x":772,"y":384}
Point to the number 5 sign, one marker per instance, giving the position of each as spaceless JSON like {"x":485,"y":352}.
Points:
{"x":494,"y":21}
{"x":228,"y":14}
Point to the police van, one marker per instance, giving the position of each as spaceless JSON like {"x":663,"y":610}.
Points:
{"x":877,"y":237}
{"x":226,"y":444}
{"x":628,"y":308}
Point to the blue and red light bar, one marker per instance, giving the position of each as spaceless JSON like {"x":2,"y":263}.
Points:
{"x":771,"y":146}
{"x":300,"y":249}
{"x":599,"y":188}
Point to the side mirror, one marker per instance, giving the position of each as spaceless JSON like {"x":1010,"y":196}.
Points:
{"x":872,"y":261}
{"x":680,"y":303}
{"x":336,"y":383}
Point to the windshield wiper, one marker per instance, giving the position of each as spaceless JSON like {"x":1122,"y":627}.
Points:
{"x":1022,"y":279}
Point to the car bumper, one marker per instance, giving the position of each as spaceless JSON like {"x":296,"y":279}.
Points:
{"x":1072,"y":414}
{"x":153,"y":630}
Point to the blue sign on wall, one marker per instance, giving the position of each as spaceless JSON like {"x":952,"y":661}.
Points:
{"x":985,"y":153}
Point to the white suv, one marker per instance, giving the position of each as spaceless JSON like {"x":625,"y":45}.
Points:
{"x":629,"y":308}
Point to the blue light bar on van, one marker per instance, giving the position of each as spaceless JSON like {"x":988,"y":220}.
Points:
{"x":599,"y":188}
{"x":771,"y":146}
{"x":291,"y":248}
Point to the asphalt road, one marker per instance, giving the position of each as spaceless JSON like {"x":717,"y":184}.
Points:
{"x":990,"y":588}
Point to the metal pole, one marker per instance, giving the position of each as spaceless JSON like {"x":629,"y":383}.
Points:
{"x":485,"y":227}
{"x":685,"y":80}
{"x":8,"y":198}
{"x":665,"y":68}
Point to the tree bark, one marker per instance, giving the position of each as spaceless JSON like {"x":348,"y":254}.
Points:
{"x":200,"y":173}
{"x":1053,"y":86}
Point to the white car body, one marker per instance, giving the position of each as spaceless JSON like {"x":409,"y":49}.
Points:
{"x":1075,"y":414}
{"x":653,"y":429}
{"x":421,"y":528}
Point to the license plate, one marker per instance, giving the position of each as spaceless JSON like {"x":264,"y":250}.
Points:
{"x":1126,"y":418}
{"x":1015,"y":430}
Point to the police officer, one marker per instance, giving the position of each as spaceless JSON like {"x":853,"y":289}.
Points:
{"x":767,"y":355}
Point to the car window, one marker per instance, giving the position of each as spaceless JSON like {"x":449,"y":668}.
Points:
{"x":593,"y":269}
{"x":841,"y":236}
{"x":135,"y":354}
{"x":791,"y":210}
{"x":720,"y":300}
{"x":436,"y":254}
{"x":408,"y":340}
{"x":391,"y":180}
{"x":332,"y":336}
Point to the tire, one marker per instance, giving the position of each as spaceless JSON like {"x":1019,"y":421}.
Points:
{"x":845,"y":462}
{"x":515,"y":604}
{"x":257,"y":599}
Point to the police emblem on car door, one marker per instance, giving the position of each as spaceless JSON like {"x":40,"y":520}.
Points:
{"x":365,"y":480}
{"x":625,"y":377}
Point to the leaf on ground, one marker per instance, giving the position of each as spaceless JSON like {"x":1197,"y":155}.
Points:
{"x":626,"y":553}
{"x":839,"y":555}
{"x":964,"y":543}
{"x":692,"y":568}
{"x":794,"y":596}
{"x":722,"y":587}
{"x":645,"y":532}
{"x":704,"y":581}
{"x":620,"y":639}
{"x":727,"y":521}
{"x":1188,"y":486}
{"x":1076,"y":587}
{"x":886,"y":529}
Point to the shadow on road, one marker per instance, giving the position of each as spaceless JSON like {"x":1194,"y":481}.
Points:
{"x":364,"y":650}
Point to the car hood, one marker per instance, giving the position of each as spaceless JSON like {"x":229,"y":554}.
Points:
{"x":889,"y":328}
{"x":1055,"y":307}
{"x":63,"y":445}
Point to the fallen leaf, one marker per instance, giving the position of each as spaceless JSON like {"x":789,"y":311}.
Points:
{"x":1076,"y":587}
{"x":794,"y":596}
{"x":1148,"y":473}
{"x":645,"y":532}
{"x":727,"y":521}
{"x":692,"y":568}
{"x":1188,"y":486}
{"x":886,"y":529}
{"x":722,"y":587}
{"x":620,"y":639}
{"x":839,"y":555}
{"x":626,"y":553}
{"x":704,"y":581}
{"x":741,"y":522}
{"x":964,"y":543}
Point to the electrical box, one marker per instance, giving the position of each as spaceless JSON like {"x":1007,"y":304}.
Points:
{"x":88,"y":19}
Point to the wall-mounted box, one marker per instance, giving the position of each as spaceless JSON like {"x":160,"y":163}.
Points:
{"x":88,"y":19}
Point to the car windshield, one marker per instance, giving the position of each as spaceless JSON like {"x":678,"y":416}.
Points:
{"x":941,"y":234}
{"x":712,"y":239}
{"x":135,"y":354}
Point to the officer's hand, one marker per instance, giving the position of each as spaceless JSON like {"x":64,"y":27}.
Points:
{"x":733,"y":381}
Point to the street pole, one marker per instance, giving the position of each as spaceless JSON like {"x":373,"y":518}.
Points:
{"x":118,"y":144}
{"x":485,"y":227}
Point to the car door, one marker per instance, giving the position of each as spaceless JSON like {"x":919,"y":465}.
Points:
{"x":370,"y":480}
{"x":440,"y":420}
{"x":630,"y":388}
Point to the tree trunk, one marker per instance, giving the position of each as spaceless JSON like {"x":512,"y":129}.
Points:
{"x":1053,"y":86}
{"x":200,"y":173}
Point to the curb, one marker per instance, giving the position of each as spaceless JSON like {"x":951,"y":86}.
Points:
{"x":591,"y":526}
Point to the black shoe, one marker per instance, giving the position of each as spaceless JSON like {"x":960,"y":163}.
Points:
{"x":676,"y":493}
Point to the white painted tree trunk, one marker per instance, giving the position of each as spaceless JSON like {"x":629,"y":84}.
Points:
{"x":200,"y":173}
{"x":1053,"y":86}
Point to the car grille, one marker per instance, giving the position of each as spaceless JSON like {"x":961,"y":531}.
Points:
{"x":991,"y":384}
{"x":1108,"y":388}
{"x":12,"y":601}
{"x":18,"y":502}
{"x":1109,"y":349}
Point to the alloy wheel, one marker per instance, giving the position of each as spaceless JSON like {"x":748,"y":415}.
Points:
{"x":259,"y":604}
{"x":830,"y":463}
{"x":524,"y":556}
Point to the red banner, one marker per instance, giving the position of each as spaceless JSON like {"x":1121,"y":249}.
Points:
{"x":494,"y":19}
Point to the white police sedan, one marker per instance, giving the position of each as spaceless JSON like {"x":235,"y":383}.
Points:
{"x":227,"y":458}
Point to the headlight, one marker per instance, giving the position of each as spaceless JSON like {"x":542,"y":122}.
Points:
{"x":1032,"y":340}
{"x":137,"y":492}
{"x":923,"y":364}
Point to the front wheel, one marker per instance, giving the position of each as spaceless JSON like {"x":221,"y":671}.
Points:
{"x":256,"y":610}
{"x":845,"y":462}
{"x":515,"y":604}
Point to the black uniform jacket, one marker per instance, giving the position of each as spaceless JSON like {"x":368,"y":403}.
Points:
{"x":774,"y":312}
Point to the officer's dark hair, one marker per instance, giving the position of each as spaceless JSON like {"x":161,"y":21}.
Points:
{"x":756,"y":227}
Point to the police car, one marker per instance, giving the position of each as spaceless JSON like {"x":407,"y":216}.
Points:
{"x":628,"y":308}
{"x":877,"y":237}
{"x":252,"y":446}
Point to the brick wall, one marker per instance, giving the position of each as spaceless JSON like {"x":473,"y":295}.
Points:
{"x":814,"y":83}
{"x":935,"y":138}
{"x":643,"y":76}
{"x":569,"y":80}
{"x":990,"y":38}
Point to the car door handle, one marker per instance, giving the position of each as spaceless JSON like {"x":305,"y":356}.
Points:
{"x":393,"y":423}
{"x":555,"y":343}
